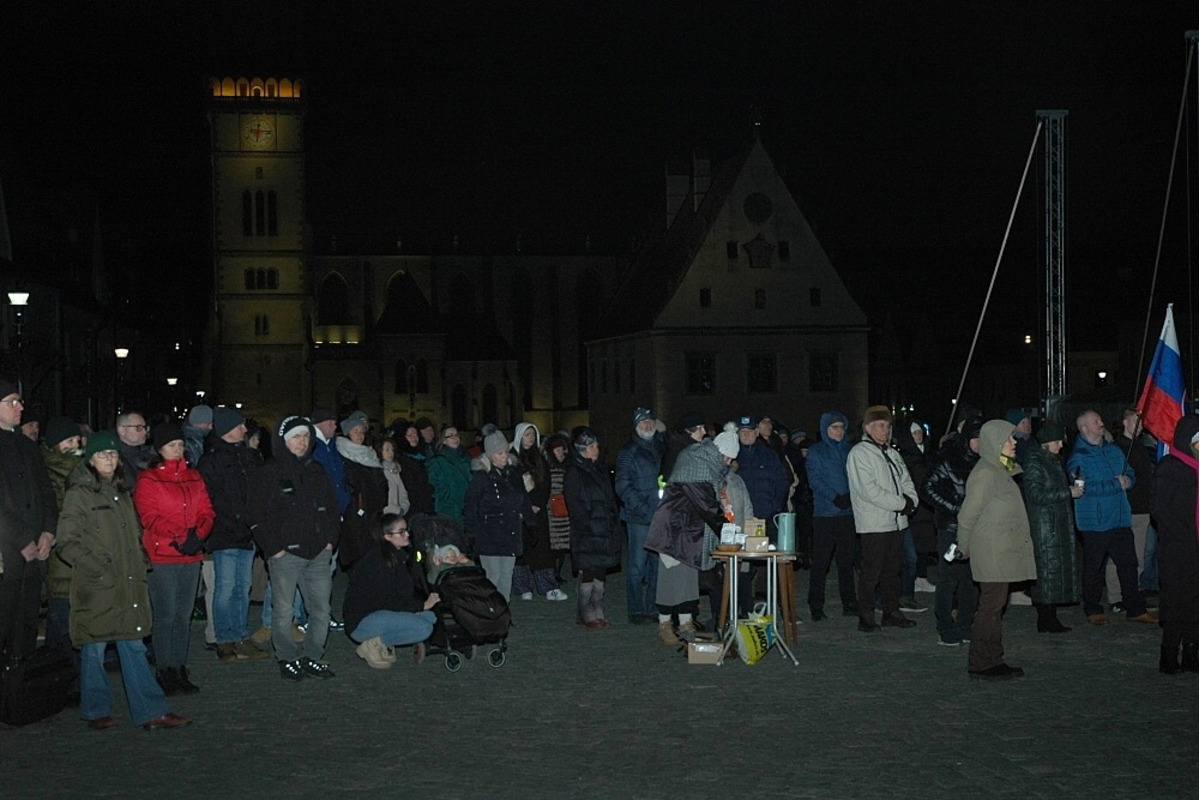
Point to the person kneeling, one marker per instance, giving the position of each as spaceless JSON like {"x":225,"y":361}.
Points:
{"x":382,"y":608}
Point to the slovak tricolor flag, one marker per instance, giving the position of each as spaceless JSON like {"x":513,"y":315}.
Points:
{"x":1164,"y":398}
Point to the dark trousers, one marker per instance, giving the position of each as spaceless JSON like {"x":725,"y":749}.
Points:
{"x":955,"y":587}
{"x":1116,"y":544}
{"x":987,"y":646}
{"x":832,"y":537}
{"x":880,"y":568}
{"x":20,"y":599}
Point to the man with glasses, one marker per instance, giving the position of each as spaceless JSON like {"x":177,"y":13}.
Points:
{"x":132,"y":433}
{"x":28,"y":520}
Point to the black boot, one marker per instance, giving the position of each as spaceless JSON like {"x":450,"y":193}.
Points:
{"x":1189,"y":653}
{"x":1048,"y":620}
{"x":184,"y":682}
{"x":168,"y":679}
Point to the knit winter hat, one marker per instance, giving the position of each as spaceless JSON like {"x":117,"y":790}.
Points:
{"x":1050,"y":432}
{"x":494,"y":443}
{"x":165,"y":434}
{"x":293,"y":426}
{"x":583,"y":437}
{"x":7,"y":387}
{"x":200,"y":415}
{"x":641,"y":413}
{"x":225,"y":419}
{"x":356,"y":419}
{"x":58,"y":429}
{"x":877,"y":414}
{"x":727,"y":442}
{"x":99,"y":442}
{"x":689,"y":421}
{"x":320,"y":415}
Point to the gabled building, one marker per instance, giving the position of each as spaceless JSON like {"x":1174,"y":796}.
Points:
{"x":733,"y":309}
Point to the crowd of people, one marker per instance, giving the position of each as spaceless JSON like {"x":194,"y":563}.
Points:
{"x":119,"y":532}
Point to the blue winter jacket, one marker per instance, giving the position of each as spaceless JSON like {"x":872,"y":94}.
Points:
{"x":637,"y":478}
{"x":766,"y":481}
{"x":1104,"y":505}
{"x":826,"y":466}
{"x":325,"y":454}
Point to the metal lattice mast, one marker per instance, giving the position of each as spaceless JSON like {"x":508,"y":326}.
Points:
{"x":1054,"y":254}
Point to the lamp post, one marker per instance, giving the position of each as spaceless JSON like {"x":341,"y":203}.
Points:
{"x":121,"y":353}
{"x":18,"y":301}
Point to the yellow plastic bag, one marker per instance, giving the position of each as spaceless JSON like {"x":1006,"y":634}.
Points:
{"x":755,"y":636}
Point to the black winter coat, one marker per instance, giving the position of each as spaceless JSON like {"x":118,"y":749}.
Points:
{"x":227,"y":470}
{"x":496,"y":510}
{"x":1052,"y":526}
{"x":28,"y":504}
{"x":945,"y":486}
{"x":295,"y":505}
{"x":1173,"y":506}
{"x":376,"y":585}
{"x":595,"y":526}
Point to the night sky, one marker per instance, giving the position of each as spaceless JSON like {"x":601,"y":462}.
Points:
{"x":902,"y":129}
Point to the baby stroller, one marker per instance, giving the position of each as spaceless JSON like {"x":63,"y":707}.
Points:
{"x":472,"y":612}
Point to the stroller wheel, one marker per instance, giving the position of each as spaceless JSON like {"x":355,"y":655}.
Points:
{"x":496,"y":658}
{"x":454,"y":662}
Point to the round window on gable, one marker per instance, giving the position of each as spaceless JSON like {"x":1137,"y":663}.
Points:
{"x":757,"y":207}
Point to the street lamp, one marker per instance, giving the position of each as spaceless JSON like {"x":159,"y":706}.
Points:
{"x":18,"y":301}
{"x":121,"y":353}
{"x":172,"y":381}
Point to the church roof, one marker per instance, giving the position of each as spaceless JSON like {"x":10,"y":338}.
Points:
{"x":662,"y":263}
{"x":407,"y":310}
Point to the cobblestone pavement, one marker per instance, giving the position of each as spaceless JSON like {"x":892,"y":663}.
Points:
{"x":613,"y":714}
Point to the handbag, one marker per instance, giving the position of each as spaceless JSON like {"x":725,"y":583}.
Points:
{"x":558,"y":505}
{"x":34,"y":687}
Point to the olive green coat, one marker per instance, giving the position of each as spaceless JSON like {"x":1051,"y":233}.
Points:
{"x":100,"y":537}
{"x":59,"y":466}
{"x":1052,"y":524}
{"x":993,"y":529}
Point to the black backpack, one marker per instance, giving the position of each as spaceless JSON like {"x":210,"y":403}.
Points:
{"x":475,"y":603}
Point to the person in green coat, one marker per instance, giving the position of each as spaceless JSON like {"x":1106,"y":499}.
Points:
{"x":1048,"y":497}
{"x":450,"y":474}
{"x":993,"y":531}
{"x":99,"y":536}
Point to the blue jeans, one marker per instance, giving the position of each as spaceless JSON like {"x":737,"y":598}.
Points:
{"x":142,"y":692}
{"x":172,"y":597}
{"x":301,"y":616}
{"x":231,"y":593}
{"x":315,"y":582}
{"x":908,"y":564}
{"x":1148,"y":582}
{"x":395,"y":628}
{"x":641,"y":573}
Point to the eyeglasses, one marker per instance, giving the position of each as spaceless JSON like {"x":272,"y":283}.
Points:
{"x":452,"y":436}
{"x":135,"y":427}
{"x":107,"y":454}
{"x":398,"y":532}
{"x":13,"y":401}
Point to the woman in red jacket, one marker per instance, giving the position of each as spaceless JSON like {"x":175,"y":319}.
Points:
{"x":177,"y":516}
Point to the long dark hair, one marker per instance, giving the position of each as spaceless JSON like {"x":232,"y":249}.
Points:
{"x":118,"y":478}
{"x":381,"y":524}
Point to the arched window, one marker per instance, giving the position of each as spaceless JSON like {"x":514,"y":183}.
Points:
{"x":260,"y":213}
{"x":401,"y":376}
{"x":521,"y":305}
{"x":333,"y":301}
{"x":422,"y":376}
{"x":589,"y":294}
{"x":247,"y":215}
{"x":458,"y":406}
{"x":491,"y":404}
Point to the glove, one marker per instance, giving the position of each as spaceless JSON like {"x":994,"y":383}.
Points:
{"x":192,"y":545}
{"x":910,"y":506}
{"x":842,"y":501}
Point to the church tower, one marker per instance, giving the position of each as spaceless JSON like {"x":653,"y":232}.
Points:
{"x":257,"y":335}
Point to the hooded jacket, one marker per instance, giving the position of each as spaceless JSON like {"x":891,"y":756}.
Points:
{"x":295,"y":506}
{"x":1048,"y":504}
{"x":595,"y":527}
{"x":1104,"y":506}
{"x":993,"y":529}
{"x":496,"y":510}
{"x":826,"y":466}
